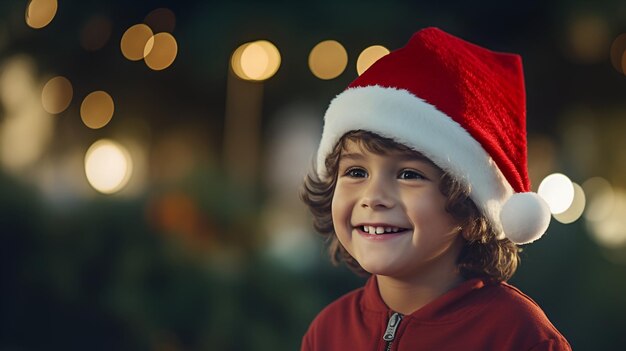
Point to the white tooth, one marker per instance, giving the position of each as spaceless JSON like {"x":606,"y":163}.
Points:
{"x":395,"y":230}
{"x":372,"y":230}
{"x":387,"y":229}
{"x":380,"y":230}
{"x":365,"y":228}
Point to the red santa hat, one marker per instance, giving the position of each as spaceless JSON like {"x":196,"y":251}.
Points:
{"x":462,"y":106}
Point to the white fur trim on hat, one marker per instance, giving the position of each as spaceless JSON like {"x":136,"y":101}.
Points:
{"x":525,"y":217}
{"x":409,"y":120}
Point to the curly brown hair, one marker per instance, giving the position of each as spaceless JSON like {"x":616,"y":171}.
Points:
{"x":483,"y":254}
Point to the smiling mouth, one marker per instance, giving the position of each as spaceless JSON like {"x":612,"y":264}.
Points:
{"x":380,"y":230}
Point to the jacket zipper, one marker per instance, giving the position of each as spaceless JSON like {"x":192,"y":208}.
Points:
{"x":392,"y":326}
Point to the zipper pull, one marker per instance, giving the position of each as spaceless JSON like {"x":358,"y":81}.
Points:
{"x":392,"y":326}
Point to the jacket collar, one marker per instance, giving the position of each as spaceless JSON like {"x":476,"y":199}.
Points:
{"x":446,"y":306}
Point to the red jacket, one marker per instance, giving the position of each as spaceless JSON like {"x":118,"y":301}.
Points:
{"x":474,"y":316}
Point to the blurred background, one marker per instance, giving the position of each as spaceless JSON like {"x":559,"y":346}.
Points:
{"x":151,"y":153}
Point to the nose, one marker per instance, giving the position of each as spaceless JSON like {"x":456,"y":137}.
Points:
{"x":378,"y":194}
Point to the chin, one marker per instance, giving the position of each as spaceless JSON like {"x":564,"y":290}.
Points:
{"x":377,"y":268}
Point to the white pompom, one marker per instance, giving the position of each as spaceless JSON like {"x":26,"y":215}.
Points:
{"x":525,"y":217}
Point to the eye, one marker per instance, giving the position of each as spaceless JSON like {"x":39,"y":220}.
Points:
{"x":356,"y":173}
{"x":408,"y":174}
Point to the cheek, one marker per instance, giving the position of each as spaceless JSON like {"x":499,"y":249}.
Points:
{"x":340,"y":218}
{"x":341,"y":211}
{"x":336,"y":209}
{"x":430,"y":211}
{"x":339,"y":202}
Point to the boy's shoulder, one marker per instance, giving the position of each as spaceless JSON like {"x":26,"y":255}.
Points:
{"x":349,"y":303}
{"x":350,"y":322}
{"x":504,"y":299}
{"x":322,"y":327}
{"x":503,"y":306}
{"x":353,"y":306}
{"x":489,"y":315}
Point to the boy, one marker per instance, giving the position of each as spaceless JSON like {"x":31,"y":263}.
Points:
{"x":421,"y":181}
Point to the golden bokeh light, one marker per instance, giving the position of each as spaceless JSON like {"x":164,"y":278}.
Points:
{"x":39,"y":13}
{"x":56,"y":95}
{"x":235,"y":62}
{"x":254,"y":61}
{"x":558,"y":192}
{"x":600,"y":198}
{"x":161,"y":20}
{"x":160,"y":51}
{"x":134,"y":40}
{"x":17,"y":82}
{"x":108,"y":166}
{"x":618,"y":50}
{"x":369,"y":56}
{"x":273,"y":59}
{"x":609,"y":232}
{"x":328,"y":59}
{"x":97,"y":109}
{"x":573,"y":213}
{"x":588,"y":38}
{"x":95,"y":33}
{"x":258,"y":60}
{"x":26,"y":129}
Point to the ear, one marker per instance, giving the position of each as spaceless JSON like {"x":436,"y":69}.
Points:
{"x":464,"y":233}
{"x":459,"y":230}
{"x":468,"y":234}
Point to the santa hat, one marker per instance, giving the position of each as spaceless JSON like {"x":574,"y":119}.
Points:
{"x":462,"y":106}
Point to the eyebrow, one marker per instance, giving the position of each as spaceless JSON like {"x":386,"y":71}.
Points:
{"x":404,"y":156}
{"x":351,"y":156}
{"x":415,"y":157}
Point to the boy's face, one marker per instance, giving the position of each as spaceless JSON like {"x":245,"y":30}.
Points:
{"x":399,"y":194}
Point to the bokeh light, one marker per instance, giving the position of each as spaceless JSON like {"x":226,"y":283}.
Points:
{"x":26,"y":129}
{"x":254,"y":61}
{"x":573,"y":213}
{"x":178,"y":213}
{"x":134,"y":40}
{"x":610,"y":232}
{"x":600,"y":199}
{"x":17,"y":81}
{"x":558,"y":192}
{"x":273,"y":59}
{"x":161,"y":20}
{"x":56,"y":95}
{"x":258,"y":60}
{"x":618,"y":49}
{"x":235,"y":61}
{"x":97,"y":109}
{"x":108,"y":166}
{"x":95,"y":33}
{"x":160,"y":51}
{"x":588,"y":38}
{"x":39,"y":13}
{"x":369,"y":56}
{"x":328,"y":59}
